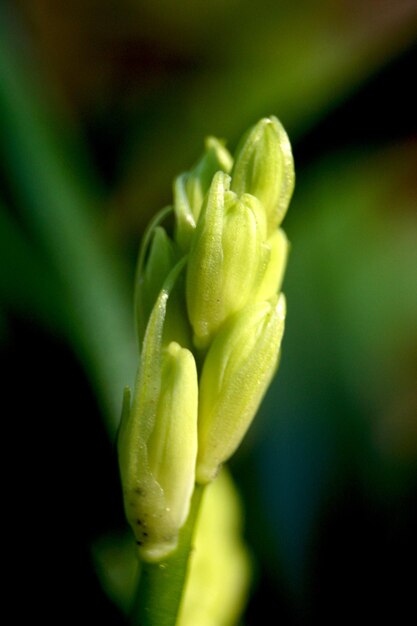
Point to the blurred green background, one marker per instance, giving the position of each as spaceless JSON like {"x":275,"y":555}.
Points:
{"x":101,"y":105}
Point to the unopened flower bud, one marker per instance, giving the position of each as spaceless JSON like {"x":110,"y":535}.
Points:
{"x":157,"y":442}
{"x":236,"y":373}
{"x":224,"y":265}
{"x":191,"y":187}
{"x":264,"y":167}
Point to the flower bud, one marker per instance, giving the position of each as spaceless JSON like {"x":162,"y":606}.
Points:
{"x":236,"y":373}
{"x":264,"y":167}
{"x":225,"y":258}
{"x":191,"y":187}
{"x":157,"y":441}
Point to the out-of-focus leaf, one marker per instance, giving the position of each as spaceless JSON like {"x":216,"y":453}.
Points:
{"x":298,"y":61}
{"x":27,"y":285}
{"x":350,"y":351}
{"x":59,"y":206}
{"x":357,"y":234}
{"x":118,"y":567}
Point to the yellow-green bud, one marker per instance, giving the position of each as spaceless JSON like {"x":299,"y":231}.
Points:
{"x":157,"y":441}
{"x":225,"y":260}
{"x":191,"y":187}
{"x":264,"y":167}
{"x":236,"y":373}
{"x":277,"y":246}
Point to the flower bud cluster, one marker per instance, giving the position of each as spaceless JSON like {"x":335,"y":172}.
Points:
{"x":210,"y":320}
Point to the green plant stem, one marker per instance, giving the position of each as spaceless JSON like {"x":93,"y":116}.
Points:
{"x":162,"y":584}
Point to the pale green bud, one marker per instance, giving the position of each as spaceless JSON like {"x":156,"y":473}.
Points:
{"x":264,"y":167}
{"x":191,"y":187}
{"x":157,"y":441}
{"x":236,"y":373}
{"x":225,"y":258}
{"x":277,"y":247}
